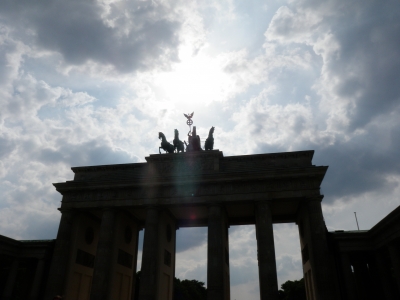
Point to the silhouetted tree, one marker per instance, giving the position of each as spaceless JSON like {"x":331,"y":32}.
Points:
{"x":293,"y":290}
{"x":189,"y":290}
{"x":183,"y":289}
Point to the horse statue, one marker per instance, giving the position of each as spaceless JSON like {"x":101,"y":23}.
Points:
{"x":167,"y":147}
{"x":209,"y":143}
{"x":178,"y":145}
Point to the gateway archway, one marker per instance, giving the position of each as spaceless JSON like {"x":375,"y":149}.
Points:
{"x":104,"y":208}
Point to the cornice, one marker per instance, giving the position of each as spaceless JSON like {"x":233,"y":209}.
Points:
{"x":311,"y":173}
{"x":98,"y":168}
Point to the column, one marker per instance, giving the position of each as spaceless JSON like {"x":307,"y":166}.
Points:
{"x":218,"y":287}
{"x":125,"y":257}
{"x":59,"y":265}
{"x":9,"y":288}
{"x":150,"y":257}
{"x":310,"y":286}
{"x":395,"y":259}
{"x":384,"y":275}
{"x":319,"y":254}
{"x":167,"y":249}
{"x":348,"y":277}
{"x":266,"y":253}
{"x":104,"y":257}
{"x":361,"y":277}
{"x":37,"y":280}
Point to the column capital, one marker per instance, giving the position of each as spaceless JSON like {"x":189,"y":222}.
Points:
{"x":315,"y":199}
{"x":66,"y":210}
{"x":155,"y":206}
{"x":262,"y":202}
{"x":213,"y":204}
{"x":222,"y":211}
{"x":109,"y":208}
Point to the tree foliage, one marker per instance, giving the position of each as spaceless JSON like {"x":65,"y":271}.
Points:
{"x":189,"y":290}
{"x":183,"y":289}
{"x":293,"y":290}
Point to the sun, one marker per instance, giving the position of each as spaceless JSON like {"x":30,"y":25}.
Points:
{"x":198,"y":79}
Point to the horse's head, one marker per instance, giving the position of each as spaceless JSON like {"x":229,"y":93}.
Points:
{"x":161,"y":135}
{"x":211,"y":130}
{"x":176,"y":132}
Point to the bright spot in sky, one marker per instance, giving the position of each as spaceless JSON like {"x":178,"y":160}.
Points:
{"x":196,"y":78}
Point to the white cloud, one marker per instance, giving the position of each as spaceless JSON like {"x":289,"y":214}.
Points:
{"x":191,"y":263}
{"x":288,"y":26}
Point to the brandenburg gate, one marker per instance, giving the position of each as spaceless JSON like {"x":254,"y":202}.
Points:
{"x":104,"y":207}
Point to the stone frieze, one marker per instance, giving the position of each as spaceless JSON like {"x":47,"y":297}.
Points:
{"x":189,"y":190}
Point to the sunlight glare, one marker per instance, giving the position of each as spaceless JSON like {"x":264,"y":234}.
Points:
{"x":196,"y":78}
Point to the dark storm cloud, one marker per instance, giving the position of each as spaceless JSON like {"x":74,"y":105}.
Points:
{"x":357,"y":166}
{"x":362,"y":57}
{"x":362,"y":165}
{"x":186,"y":239}
{"x":359,"y":81}
{"x":136,"y":34}
{"x":368,"y":61}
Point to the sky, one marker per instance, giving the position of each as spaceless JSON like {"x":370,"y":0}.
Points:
{"x":92,"y":82}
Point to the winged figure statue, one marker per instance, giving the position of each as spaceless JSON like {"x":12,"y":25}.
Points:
{"x":189,"y":116}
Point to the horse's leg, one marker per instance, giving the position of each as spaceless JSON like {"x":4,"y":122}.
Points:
{"x":159,"y":149}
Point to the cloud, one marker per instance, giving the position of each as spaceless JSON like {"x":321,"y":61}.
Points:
{"x":187,"y":239}
{"x":242,"y":255}
{"x":349,"y":113}
{"x":361,"y":63}
{"x":128,"y":35}
{"x":245,"y":291}
{"x":288,"y":26}
{"x":358,"y":162}
{"x":371,"y":207}
{"x":191,"y":263}
{"x":38,"y":147}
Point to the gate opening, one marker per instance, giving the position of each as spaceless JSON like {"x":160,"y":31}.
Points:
{"x":191,"y":254}
{"x":287,"y":252}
